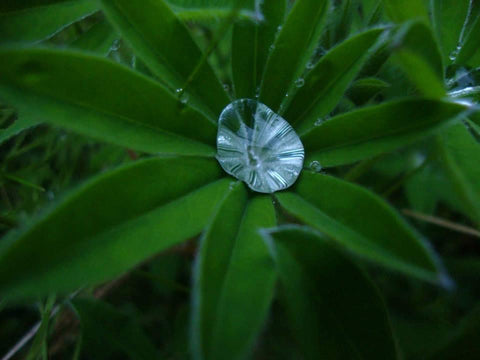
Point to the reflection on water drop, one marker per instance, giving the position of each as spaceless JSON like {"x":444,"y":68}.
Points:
{"x":258,"y":146}
{"x":315,"y":166}
{"x":257,"y":92}
{"x":299,"y":82}
{"x":319,"y":122}
{"x":115,"y":45}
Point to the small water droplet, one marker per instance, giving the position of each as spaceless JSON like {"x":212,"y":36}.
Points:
{"x":453,"y":55}
{"x":257,"y":92}
{"x":50,"y":195}
{"x":226,"y":87}
{"x":179,"y":90}
{"x":315,"y":166}
{"x":258,"y":146}
{"x":184,"y":98}
{"x":299,"y":82}
{"x":310,"y":65}
{"x":279,"y":28}
{"x":319,"y":122}
{"x":115,"y":45}
{"x":271,"y":48}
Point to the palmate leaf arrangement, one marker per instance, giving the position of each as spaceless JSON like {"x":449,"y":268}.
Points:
{"x":304,"y":242}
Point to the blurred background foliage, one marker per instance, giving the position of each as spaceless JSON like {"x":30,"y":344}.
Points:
{"x":145,"y":313}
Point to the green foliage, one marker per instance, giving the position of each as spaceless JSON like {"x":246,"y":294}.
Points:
{"x":379,"y":235}
{"x":108,"y":122}
{"x":326,"y":319}
{"x":32,"y":24}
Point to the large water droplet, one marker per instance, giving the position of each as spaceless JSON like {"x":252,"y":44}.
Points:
{"x":259,"y":147}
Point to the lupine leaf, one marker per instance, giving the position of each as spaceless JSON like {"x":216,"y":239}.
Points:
{"x":168,"y":50}
{"x":38,"y":23}
{"x":234,"y":278}
{"x":326,"y":83}
{"x":374,"y":130}
{"x":460,"y":153}
{"x":250,"y":48}
{"x":110,"y":224}
{"x":292,"y":49}
{"x":102,"y":99}
{"x":361,"y":222}
{"x":334,"y":308}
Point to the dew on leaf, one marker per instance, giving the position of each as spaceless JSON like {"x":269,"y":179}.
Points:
{"x":299,"y":82}
{"x":258,"y":147}
{"x":315,"y":166}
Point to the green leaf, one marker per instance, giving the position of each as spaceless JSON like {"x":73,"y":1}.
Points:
{"x":234,"y":278}
{"x":105,"y":330}
{"x":327,"y":82}
{"x":448,"y":21}
{"x":18,"y":5}
{"x":202,"y":4}
{"x":417,"y":52}
{"x":110,"y":224}
{"x":98,"y":39}
{"x":99,"y":98}
{"x":18,"y":125}
{"x":201,"y":10}
{"x":39,"y":23}
{"x":469,"y":53}
{"x":364,"y":90}
{"x":292,"y":49}
{"x":329,"y":322}
{"x":374,"y":130}
{"x":460,"y":153}
{"x":361,"y":222}
{"x":39,"y":345}
{"x":463,"y":342}
{"x":403,"y":10}
{"x":168,"y":49}
{"x":250,"y":47}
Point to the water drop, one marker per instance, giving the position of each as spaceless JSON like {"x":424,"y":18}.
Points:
{"x":271,"y":48}
{"x":179,"y":90}
{"x":257,"y":92}
{"x":299,"y":82}
{"x":315,"y":166}
{"x":226,"y":87}
{"x":310,"y":65}
{"x":258,"y":147}
{"x":453,"y":55}
{"x":279,"y":28}
{"x":184,"y":98}
{"x":115,"y":45}
{"x":319,"y":122}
